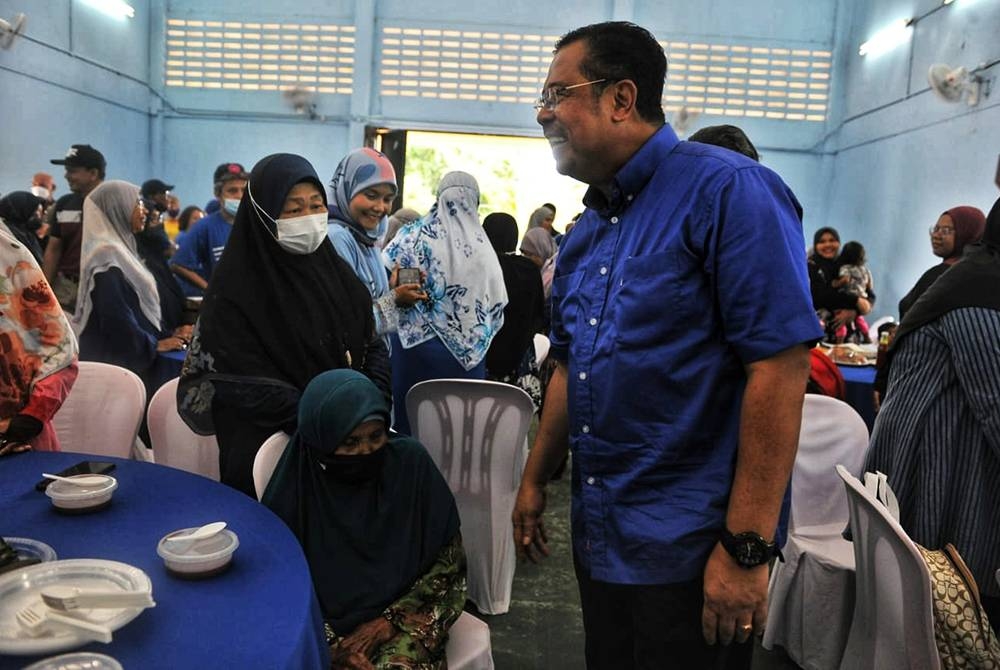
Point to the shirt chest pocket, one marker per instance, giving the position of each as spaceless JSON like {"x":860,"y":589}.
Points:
{"x":657,"y":298}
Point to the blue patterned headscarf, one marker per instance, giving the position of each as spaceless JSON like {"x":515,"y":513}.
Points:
{"x":464,"y":280}
{"x":360,"y":169}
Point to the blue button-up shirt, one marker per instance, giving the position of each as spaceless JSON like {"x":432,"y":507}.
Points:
{"x":693,"y":269}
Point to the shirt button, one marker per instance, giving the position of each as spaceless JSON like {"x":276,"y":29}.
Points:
{"x":593,"y":321}
{"x":604,"y":271}
{"x":591,"y":480}
{"x":583,"y":375}
{"x":629,"y":197}
{"x":614,"y":219}
{"x":585,"y":429}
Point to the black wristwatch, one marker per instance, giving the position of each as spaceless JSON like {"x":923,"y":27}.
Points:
{"x":749,"y":549}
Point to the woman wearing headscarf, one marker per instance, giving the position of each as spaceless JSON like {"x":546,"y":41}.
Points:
{"x":955,"y":228}
{"x":378,"y":525}
{"x":281,"y":308}
{"x":364,"y":187}
{"x":38,"y":352}
{"x":400,"y":218}
{"x":538,"y":246}
{"x":543,"y":217}
{"x":118,"y":312}
{"x":833,"y":307}
{"x":21,"y":212}
{"x":937,"y":435}
{"x":446,"y":335}
{"x":522,"y":317}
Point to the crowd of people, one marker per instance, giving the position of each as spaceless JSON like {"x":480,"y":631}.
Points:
{"x":676,"y":376}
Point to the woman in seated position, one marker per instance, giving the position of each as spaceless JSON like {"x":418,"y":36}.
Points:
{"x":364,"y":187}
{"x":281,"y":308}
{"x":378,"y":525}
{"x":37,"y":352}
{"x":446,"y":335}
{"x":118,"y":312}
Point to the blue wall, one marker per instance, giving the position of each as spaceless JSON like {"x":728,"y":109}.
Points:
{"x":900,"y":155}
{"x":75,"y":77}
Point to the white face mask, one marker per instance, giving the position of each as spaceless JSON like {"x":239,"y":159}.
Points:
{"x":232,"y":205}
{"x":40,"y":192}
{"x":300,"y":235}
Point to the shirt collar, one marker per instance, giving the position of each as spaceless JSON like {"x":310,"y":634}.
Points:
{"x":634,"y":175}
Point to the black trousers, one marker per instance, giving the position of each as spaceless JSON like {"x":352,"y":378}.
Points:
{"x":650,"y":626}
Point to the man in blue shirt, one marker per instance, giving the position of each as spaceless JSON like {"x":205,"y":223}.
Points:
{"x":203,"y":245}
{"x":680,"y":318}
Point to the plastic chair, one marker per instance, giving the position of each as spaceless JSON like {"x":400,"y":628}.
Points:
{"x":267,"y":459}
{"x":176,"y":445}
{"x":832,"y":433}
{"x":818,"y":561}
{"x":468,"y":645}
{"x":102,"y":413}
{"x":542,"y":345}
{"x":474,"y":432}
{"x":893,"y":618}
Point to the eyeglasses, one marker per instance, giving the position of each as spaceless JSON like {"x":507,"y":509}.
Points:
{"x":944,"y":230}
{"x":553,"y":95}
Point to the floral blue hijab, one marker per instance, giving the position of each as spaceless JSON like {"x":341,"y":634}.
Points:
{"x":464,"y":280}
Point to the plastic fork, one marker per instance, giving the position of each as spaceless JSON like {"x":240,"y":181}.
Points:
{"x":70,"y":598}
{"x":35,"y":619}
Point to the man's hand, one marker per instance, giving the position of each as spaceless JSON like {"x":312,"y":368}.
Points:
{"x":529,"y":530}
{"x":735,"y":599}
{"x":368,"y":636}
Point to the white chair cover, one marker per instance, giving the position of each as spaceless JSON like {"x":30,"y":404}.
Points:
{"x":102,"y":413}
{"x":542,"y":345}
{"x":468,"y":645}
{"x":176,"y":445}
{"x":819,"y":563}
{"x":475,"y":432}
{"x":893,"y":623}
{"x":267,"y":459}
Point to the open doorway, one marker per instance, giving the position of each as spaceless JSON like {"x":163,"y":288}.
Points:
{"x":515,"y":174}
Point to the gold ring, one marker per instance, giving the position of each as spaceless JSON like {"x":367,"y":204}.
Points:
{"x":747,"y":627}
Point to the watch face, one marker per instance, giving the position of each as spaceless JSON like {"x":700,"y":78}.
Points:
{"x":750,"y":553}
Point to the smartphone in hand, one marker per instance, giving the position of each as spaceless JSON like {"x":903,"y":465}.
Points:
{"x":81,"y":468}
{"x":408,"y":276}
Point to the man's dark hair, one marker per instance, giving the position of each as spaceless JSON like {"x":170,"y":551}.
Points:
{"x":727,"y":137}
{"x":618,"y":50}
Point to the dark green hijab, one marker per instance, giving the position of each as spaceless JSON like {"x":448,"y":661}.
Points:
{"x":366,"y":542}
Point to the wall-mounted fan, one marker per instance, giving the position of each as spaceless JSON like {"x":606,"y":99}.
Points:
{"x":11,"y":29}
{"x":953,"y":84}
{"x":302,"y":101}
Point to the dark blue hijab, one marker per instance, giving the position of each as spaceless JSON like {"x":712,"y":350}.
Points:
{"x":366,"y":542}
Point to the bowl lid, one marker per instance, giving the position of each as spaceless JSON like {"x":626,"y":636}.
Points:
{"x":66,"y":491}
{"x":212,"y":548}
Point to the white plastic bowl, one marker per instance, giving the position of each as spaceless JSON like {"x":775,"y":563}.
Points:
{"x":200,"y":558}
{"x":75,"y":499}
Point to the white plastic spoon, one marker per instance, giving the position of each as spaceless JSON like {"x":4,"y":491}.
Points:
{"x":208,"y":530}
{"x":90,"y":480}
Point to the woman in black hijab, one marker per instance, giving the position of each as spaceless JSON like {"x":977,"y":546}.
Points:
{"x":281,"y":308}
{"x":832,"y":306}
{"x":19,"y":210}
{"x":522,"y":317}
{"x":378,"y":525}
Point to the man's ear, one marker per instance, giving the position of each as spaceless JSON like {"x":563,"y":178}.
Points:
{"x":624,"y":94}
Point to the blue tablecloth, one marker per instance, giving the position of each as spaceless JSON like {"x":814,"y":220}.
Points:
{"x":860,"y":385}
{"x":261,"y":613}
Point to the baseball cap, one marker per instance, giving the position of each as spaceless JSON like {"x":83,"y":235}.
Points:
{"x":228,"y":171}
{"x":154,"y":186}
{"x":82,"y":155}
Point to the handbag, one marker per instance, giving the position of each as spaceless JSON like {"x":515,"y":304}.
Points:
{"x":962,"y":631}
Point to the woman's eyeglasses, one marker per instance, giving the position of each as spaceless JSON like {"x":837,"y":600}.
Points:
{"x":553,"y":95}
{"x":943,"y":230}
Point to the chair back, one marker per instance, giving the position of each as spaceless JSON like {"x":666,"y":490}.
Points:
{"x":468,"y":646}
{"x":174,"y":444}
{"x":267,"y":459}
{"x":893,"y":624}
{"x":102,"y":413}
{"x":831,"y":433}
{"x":475,"y":432}
{"x":542,"y":345}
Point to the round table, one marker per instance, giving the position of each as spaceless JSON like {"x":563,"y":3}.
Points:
{"x":261,"y":613}
{"x":860,"y":382}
